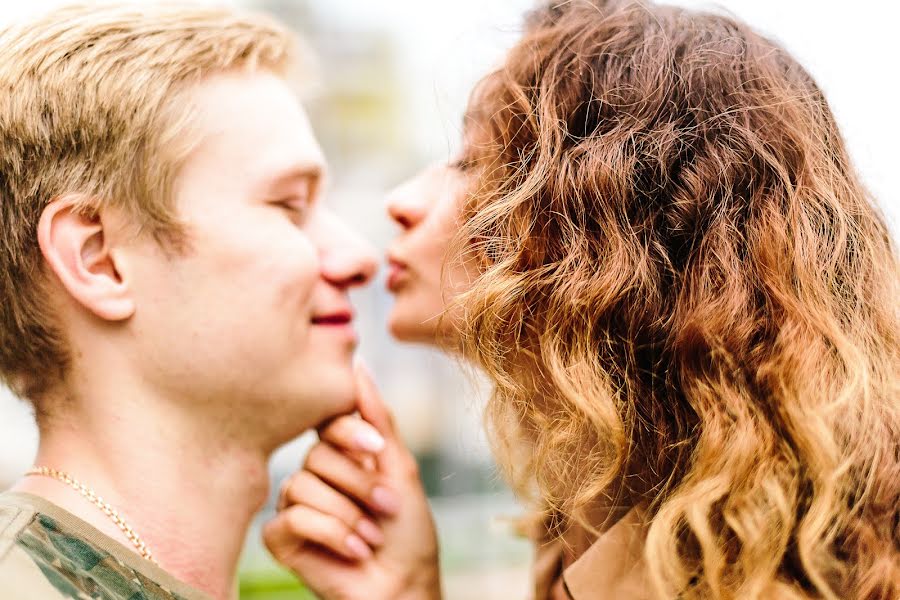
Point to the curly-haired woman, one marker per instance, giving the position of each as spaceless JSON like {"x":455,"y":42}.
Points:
{"x":664,"y":260}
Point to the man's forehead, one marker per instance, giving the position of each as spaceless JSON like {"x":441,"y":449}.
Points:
{"x":256,"y":120}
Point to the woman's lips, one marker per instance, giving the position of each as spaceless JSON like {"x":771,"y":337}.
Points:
{"x":398,"y":274}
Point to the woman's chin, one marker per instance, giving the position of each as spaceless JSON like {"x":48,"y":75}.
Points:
{"x":407,"y":328}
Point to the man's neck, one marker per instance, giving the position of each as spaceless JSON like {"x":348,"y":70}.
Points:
{"x":189,"y":497}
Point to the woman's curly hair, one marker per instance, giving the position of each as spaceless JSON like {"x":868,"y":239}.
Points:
{"x":687,"y":301}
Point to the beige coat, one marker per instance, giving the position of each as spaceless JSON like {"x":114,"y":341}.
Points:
{"x":580,"y":568}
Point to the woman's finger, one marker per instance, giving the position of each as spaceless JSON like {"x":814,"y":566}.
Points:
{"x":352,"y":434}
{"x":300,"y":524}
{"x":351,"y":479}
{"x":395,"y":461}
{"x":307,"y":489}
{"x":372,"y":407}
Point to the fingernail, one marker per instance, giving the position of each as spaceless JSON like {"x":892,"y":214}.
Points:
{"x":385,"y":500}
{"x":357,"y":547}
{"x":370,"y":532}
{"x":366,"y":438}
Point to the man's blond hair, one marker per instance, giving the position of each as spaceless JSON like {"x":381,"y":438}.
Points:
{"x":87,"y":107}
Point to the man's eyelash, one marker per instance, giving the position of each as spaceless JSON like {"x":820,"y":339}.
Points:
{"x":295,"y":203}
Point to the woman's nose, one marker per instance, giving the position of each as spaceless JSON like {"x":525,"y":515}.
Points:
{"x":406,"y":206}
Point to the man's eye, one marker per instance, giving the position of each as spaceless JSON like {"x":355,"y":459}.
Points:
{"x":297,"y":207}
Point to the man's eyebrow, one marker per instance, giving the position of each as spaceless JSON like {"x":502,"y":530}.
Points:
{"x":295,"y":173}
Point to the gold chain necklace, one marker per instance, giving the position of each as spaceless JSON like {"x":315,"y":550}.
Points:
{"x":100,"y":503}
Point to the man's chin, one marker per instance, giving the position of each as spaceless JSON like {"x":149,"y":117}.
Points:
{"x":340,"y":401}
{"x":335,"y":392}
{"x":304,"y":413}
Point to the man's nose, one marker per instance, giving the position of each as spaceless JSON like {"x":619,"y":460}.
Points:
{"x":347,"y":260}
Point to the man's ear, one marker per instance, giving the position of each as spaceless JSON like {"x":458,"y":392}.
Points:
{"x":75,"y":246}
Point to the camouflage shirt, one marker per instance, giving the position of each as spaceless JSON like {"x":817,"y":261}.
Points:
{"x":48,"y":553}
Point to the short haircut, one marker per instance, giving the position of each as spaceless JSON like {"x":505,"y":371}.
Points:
{"x":87,"y":107}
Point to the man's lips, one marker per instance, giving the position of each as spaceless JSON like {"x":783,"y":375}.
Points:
{"x":336,"y":318}
{"x":337,"y":323}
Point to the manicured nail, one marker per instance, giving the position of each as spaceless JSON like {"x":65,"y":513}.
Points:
{"x":357,"y":547}
{"x":385,"y":500}
{"x":368,"y":439}
{"x":370,"y":532}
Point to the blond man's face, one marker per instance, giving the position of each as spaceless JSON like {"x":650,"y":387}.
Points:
{"x":254,"y":317}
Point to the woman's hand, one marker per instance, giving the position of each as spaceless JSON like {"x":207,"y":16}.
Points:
{"x":354,"y":522}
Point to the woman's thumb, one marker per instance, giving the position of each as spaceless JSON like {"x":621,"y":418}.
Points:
{"x":369,"y":402}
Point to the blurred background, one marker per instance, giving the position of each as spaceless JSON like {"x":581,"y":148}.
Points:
{"x":393,"y":82}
